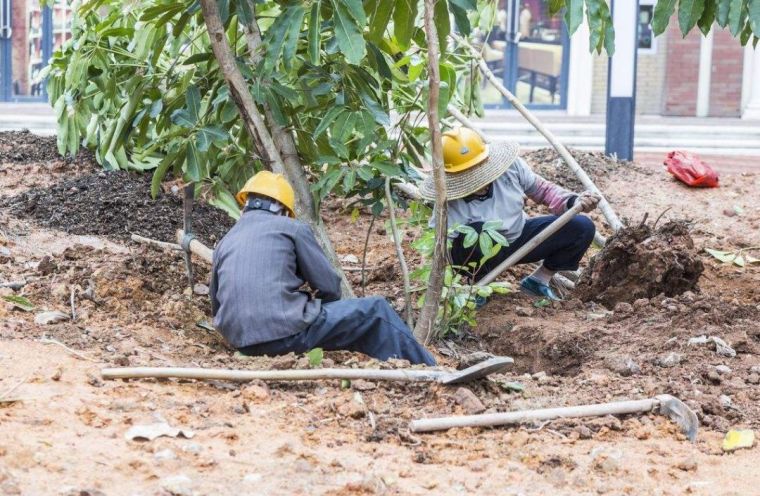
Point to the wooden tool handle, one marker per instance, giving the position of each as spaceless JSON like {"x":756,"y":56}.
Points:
{"x":491,"y":419}
{"x":196,"y":247}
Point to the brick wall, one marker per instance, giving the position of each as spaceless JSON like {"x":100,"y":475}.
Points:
{"x":726,"y":77}
{"x":650,"y":78}
{"x":681,"y":72}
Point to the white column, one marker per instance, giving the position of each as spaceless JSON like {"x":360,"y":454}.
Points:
{"x":751,"y":84}
{"x":580,"y":79}
{"x":705,"y":72}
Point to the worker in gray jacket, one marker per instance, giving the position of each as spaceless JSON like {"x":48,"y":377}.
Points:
{"x":258,"y":288}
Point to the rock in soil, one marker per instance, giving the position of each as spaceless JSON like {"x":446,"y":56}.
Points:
{"x":642,"y":262}
{"x":48,"y":318}
{"x":468,"y":401}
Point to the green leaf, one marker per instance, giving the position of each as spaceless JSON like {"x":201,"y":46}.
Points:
{"x":244,"y":12}
{"x":155,"y":108}
{"x":442,"y":23}
{"x":574,"y":15}
{"x":707,"y":19}
{"x":193,"y":100}
{"x":19,"y":302}
{"x":182,"y":117}
{"x":470,"y":239}
{"x":723,"y":256}
{"x":198,"y":57}
{"x":356,"y":9}
{"x":327,"y":120}
{"x":404,"y":15}
{"x":224,"y":10}
{"x":380,"y":115}
{"x":347,"y":31}
{"x":754,"y":16}
{"x":291,"y":35}
{"x":314,"y":35}
{"x":160,"y":173}
{"x":555,"y":6}
{"x":737,"y":16}
{"x":663,"y":11}
{"x":689,"y":12}
{"x":515,"y":387}
{"x":485,"y":243}
{"x":543,"y":302}
{"x":460,"y":18}
{"x":722,"y":15}
{"x":380,"y":19}
{"x":192,"y":163}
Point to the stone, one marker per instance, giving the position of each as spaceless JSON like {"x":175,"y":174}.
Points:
{"x":755,"y":369}
{"x":584,"y":432}
{"x":468,"y":401}
{"x":714,"y":376}
{"x":200,"y":289}
{"x":753,"y":379}
{"x":606,"y":460}
{"x":255,"y":392}
{"x":640,"y":303}
{"x":687,"y":465}
{"x":723,"y":369}
{"x":623,"y":308}
{"x":177,"y":485}
{"x":524,"y":311}
{"x":5,"y":255}
{"x":252,"y":478}
{"x":722,"y":348}
{"x":49,"y":318}
{"x":725,"y":401}
{"x":165,"y":455}
{"x":351,"y":259}
{"x":192,"y":448}
{"x":671,"y":360}
{"x":622,"y":365}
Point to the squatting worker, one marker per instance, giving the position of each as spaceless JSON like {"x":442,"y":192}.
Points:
{"x":486,"y":183}
{"x":258,"y":300}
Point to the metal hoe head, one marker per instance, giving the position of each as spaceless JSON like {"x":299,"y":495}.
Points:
{"x":491,"y":366}
{"x":680,"y":414}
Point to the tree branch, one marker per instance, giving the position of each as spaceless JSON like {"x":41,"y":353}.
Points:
{"x":400,"y":255}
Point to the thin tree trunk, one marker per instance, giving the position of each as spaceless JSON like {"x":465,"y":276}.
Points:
{"x":425,"y":328}
{"x":400,"y":254}
{"x":294,"y":170}
{"x":276,"y":148}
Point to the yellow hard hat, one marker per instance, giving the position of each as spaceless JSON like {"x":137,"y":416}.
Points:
{"x":271,"y":185}
{"x":462,"y":148}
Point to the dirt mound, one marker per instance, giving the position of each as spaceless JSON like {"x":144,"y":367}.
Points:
{"x":596,"y":164}
{"x":116,"y":204}
{"x":24,"y":147}
{"x":642,"y":262}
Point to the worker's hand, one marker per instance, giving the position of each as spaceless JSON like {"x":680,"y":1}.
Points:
{"x":589,"y":200}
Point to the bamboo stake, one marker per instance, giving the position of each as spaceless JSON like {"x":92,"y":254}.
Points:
{"x":400,"y":255}
{"x":530,"y":245}
{"x":604,"y":206}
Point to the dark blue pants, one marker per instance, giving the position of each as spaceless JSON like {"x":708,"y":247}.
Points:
{"x":563,"y":250}
{"x":368,"y":325}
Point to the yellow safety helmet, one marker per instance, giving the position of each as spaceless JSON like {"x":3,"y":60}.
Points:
{"x":271,"y":185}
{"x":462,"y":148}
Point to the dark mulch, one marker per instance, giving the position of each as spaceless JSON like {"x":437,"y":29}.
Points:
{"x":23,"y":147}
{"x":115,"y":205}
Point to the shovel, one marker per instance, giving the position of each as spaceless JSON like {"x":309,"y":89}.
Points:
{"x":665,"y":404}
{"x":482,"y":369}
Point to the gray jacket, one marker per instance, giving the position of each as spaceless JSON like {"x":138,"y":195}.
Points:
{"x":259,"y":270}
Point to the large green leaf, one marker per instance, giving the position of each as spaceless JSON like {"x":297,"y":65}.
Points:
{"x":291,"y":34}
{"x":708,"y":17}
{"x":192,"y":163}
{"x":737,"y":17}
{"x":314,"y":34}
{"x":442,"y":22}
{"x":404,"y":16}
{"x":461,"y":20}
{"x":663,"y":11}
{"x":574,"y":15}
{"x":754,"y":16}
{"x":380,"y":19}
{"x":348,"y":32}
{"x":722,"y":13}
{"x":689,"y":12}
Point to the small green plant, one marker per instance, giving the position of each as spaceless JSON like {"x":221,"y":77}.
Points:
{"x":459,"y":297}
{"x":739,"y":258}
{"x":20,"y":302}
{"x":315,"y":357}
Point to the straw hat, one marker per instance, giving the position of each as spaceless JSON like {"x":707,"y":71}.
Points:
{"x":499,"y":156}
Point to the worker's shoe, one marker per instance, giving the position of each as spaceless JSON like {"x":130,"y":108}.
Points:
{"x":534,"y":287}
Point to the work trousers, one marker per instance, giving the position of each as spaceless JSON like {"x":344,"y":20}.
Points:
{"x":563,"y":250}
{"x":368,"y":325}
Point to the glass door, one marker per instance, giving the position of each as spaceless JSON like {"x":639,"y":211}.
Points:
{"x":28,"y":35}
{"x":530,"y":51}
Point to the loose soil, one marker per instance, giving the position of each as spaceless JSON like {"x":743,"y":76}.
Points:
{"x":64,"y":434}
{"x":642,"y":261}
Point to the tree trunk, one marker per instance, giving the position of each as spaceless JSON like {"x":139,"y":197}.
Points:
{"x":277,"y":148}
{"x":424,"y":330}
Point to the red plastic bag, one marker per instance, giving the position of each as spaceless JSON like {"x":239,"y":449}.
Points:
{"x":690,"y":170}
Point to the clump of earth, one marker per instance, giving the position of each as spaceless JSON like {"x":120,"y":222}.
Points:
{"x":116,"y":204}
{"x":642,"y":261}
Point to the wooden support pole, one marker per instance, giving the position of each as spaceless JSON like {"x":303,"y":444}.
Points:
{"x":530,"y":245}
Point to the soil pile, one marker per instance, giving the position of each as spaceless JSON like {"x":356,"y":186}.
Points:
{"x":116,"y":204}
{"x":642,"y":262}
{"x":23,"y":147}
{"x":596,"y":164}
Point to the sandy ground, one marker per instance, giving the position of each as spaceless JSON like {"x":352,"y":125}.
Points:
{"x":65,"y":431}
